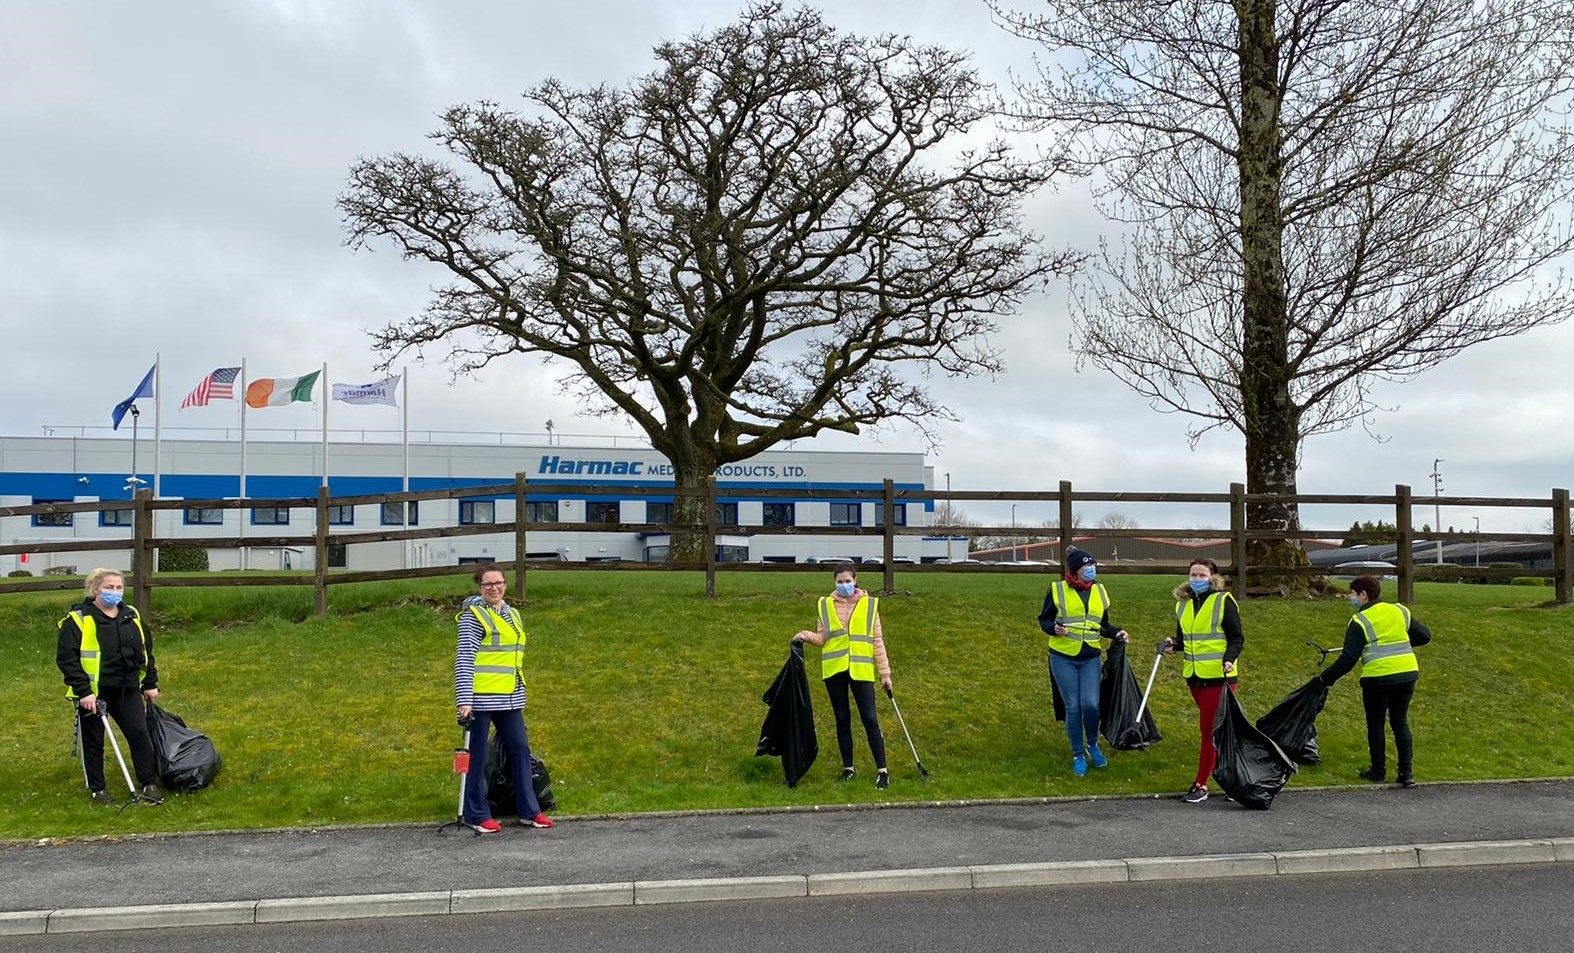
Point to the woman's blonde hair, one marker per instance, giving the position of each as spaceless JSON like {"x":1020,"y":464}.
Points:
{"x":95,"y":579}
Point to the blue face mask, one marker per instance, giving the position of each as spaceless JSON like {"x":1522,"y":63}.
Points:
{"x":1355,"y":600}
{"x":846,"y":588}
{"x":1089,"y":573}
{"x":1200,"y":586}
{"x":110,"y":597}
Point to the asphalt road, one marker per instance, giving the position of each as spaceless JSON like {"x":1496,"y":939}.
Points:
{"x":1463,"y":910}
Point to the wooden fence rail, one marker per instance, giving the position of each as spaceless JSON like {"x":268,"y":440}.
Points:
{"x":143,"y":544}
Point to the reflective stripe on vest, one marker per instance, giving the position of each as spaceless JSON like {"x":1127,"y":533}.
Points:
{"x":499,"y":657}
{"x":848,"y":649}
{"x":1388,"y":650}
{"x":1083,"y":623}
{"x":1203,"y":651}
{"x":91,"y":653}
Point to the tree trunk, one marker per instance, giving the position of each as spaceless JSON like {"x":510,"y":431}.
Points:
{"x":1272,"y":421}
{"x":688,"y":510}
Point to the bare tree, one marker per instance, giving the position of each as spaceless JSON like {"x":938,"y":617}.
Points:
{"x":951,"y":516}
{"x":1314,"y":195}
{"x":1116,"y":520}
{"x":745,"y":246}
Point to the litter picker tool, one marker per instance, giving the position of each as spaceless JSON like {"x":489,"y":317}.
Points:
{"x":1326,"y":652}
{"x":119,"y":758}
{"x":1135,"y":728}
{"x":461,"y":768}
{"x":923,"y":772}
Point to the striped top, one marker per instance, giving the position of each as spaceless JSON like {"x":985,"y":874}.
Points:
{"x":470,"y":635}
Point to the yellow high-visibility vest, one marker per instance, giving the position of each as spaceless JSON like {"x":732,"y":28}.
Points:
{"x":1388,"y":650}
{"x":91,"y":661}
{"x":1082,"y":625}
{"x":1203,"y":628}
{"x":499,"y":660}
{"x":849,"y":649}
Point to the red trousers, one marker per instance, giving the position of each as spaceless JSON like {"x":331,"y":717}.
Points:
{"x":1207,"y":698}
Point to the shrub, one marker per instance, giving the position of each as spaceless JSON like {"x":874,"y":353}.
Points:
{"x":18,"y":572}
{"x":1529,"y":581}
{"x":183,"y":559}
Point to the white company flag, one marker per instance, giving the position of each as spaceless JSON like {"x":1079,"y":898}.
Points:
{"x":384,"y":391}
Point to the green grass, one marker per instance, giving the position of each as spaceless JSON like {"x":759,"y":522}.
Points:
{"x":646,"y":697}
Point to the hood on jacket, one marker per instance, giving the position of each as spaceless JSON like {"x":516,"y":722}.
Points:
{"x":1183,"y":591}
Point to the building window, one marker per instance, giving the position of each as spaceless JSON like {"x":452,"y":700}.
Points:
{"x":658,"y":513}
{"x":202,"y":516}
{"x":270,"y":516}
{"x":543,"y":512}
{"x":473,"y":512}
{"x":780,"y":514}
{"x":727,"y":515}
{"x":114,"y":518}
{"x":338,"y":555}
{"x":601,"y":512}
{"x":341,"y":516}
{"x":846,"y":514}
{"x":51,"y":519}
{"x":901,"y":513}
{"x":390,"y":515}
{"x":732,"y":554}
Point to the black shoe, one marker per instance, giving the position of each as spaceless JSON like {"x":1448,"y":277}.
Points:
{"x":1374,"y":775}
{"x":1197,"y":794}
{"x":101,"y":797}
{"x":1405,"y":781}
{"x":152,"y":796}
{"x":847,"y":775}
{"x":882,"y":780}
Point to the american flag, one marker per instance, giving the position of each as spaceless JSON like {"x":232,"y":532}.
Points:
{"x":220,"y":385}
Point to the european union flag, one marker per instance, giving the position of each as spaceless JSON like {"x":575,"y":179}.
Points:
{"x":144,"y":389}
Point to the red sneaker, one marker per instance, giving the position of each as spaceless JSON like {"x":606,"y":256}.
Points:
{"x":540,"y":820}
{"x":488,"y":826}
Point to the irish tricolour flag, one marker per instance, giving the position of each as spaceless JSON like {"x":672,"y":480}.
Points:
{"x":277,"y":391}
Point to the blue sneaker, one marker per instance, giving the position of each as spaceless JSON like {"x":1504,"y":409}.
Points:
{"x":1079,"y":766}
{"x":1097,"y":757}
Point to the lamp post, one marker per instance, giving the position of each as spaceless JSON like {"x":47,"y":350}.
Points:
{"x":1013,"y":532}
{"x":950,"y":518}
{"x":1478,"y":540}
{"x":1437,"y":509}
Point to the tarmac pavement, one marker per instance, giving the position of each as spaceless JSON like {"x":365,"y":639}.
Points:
{"x":349,"y":872}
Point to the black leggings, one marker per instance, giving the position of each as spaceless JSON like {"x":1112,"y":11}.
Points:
{"x":1392,"y":701}
{"x":863,"y":693}
{"x":126,"y":707}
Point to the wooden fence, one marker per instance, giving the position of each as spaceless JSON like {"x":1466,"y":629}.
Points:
{"x":144,"y":544}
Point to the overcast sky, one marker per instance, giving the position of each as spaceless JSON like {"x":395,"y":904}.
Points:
{"x":168,"y":184}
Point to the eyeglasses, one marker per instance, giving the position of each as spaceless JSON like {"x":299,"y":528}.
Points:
{"x":493,"y":585}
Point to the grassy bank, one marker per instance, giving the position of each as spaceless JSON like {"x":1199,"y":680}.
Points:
{"x":643,"y":696}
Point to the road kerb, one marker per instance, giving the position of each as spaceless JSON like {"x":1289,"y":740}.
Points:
{"x":1049,"y":874}
{"x":518,"y":899}
{"x":24,"y":922}
{"x":1215,"y":865}
{"x":1563,"y":849}
{"x":354,"y":907}
{"x":890,"y":881}
{"x":720,"y":888}
{"x":1342,"y":859}
{"x":153,"y":916}
{"x":1477,"y":853}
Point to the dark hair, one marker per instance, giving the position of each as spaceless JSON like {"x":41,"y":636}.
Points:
{"x":847,"y":568}
{"x":1213,"y":567}
{"x":484,"y":568}
{"x":1367,"y":585}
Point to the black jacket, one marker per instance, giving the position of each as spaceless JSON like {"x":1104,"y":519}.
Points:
{"x":1355,"y":644}
{"x":1048,"y":615}
{"x":1234,"y":637}
{"x":123,"y":664}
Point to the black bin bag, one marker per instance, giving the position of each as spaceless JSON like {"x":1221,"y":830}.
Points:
{"x":1251,"y":768}
{"x":788,"y":730}
{"x":500,"y":780}
{"x":187,"y":759}
{"x":1292,"y":724}
{"x":1119,"y":699}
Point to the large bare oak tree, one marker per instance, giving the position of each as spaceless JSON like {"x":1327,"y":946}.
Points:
{"x":781,"y":230}
{"x":1314,"y":195}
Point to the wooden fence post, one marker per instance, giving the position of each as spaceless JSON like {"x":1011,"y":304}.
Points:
{"x":1560,"y":546}
{"x":1067,"y":517}
{"x":519,"y":536}
{"x":1238,"y":536}
{"x":320,"y":556}
{"x":1405,"y":557}
{"x":890,"y":535}
{"x":710,"y":536}
{"x":142,"y":551}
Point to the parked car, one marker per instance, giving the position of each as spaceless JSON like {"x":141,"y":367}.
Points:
{"x":1344,"y":572}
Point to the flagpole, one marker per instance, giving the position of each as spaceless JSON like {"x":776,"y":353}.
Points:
{"x":325,"y":423}
{"x":404,"y":508}
{"x":242,"y":511}
{"x":158,"y":417}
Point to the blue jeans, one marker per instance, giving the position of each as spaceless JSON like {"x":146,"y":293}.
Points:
{"x":511,"y":732}
{"x":1078,"y":681}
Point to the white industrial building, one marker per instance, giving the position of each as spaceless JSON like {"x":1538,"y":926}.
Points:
{"x":81,"y":469}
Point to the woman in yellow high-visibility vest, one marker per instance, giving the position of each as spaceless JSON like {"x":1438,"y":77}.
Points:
{"x":1209,"y":637}
{"x":852,"y":654}
{"x":1382,"y":637}
{"x":1075,"y":616}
